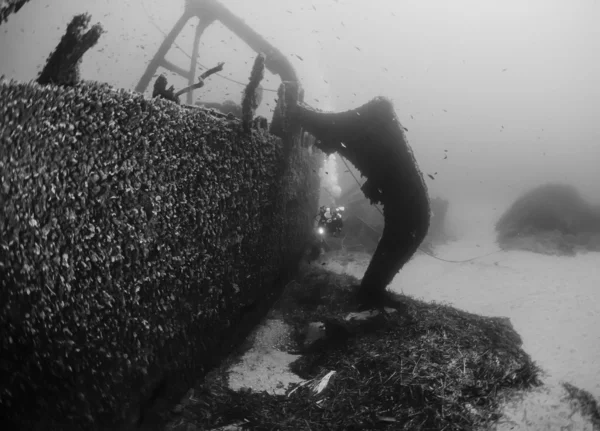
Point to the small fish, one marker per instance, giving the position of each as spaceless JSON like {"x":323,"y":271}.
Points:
{"x":299,"y":57}
{"x":343,"y":25}
{"x":357,"y":48}
{"x":430,"y":176}
{"x":446,"y":156}
{"x":405,"y":128}
{"x":504,"y":70}
{"x":411,"y":117}
{"x":444,"y":110}
{"x":313,"y":6}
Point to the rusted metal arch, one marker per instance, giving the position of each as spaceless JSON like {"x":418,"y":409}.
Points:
{"x":209,"y":11}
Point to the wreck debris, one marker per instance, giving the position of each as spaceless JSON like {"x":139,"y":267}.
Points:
{"x":161,"y":90}
{"x":160,"y":60}
{"x":253,"y":92}
{"x":62,"y":67}
{"x":209,"y":11}
{"x":8,"y":7}
{"x":372,"y":138}
{"x":160,"y":85}
{"x":200,"y":83}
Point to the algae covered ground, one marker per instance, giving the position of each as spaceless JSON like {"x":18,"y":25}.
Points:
{"x":427,"y":367}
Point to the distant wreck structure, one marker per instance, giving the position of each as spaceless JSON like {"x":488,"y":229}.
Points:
{"x":439,"y":232}
{"x":550,"y":219}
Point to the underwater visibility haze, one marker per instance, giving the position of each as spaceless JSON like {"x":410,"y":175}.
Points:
{"x":499,"y":102}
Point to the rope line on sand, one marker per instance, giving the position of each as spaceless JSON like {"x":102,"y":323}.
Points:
{"x":420,"y":249}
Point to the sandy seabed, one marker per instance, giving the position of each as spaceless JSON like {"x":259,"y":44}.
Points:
{"x":553,"y":303}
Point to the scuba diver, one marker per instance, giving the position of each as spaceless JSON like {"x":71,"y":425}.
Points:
{"x":330,"y":221}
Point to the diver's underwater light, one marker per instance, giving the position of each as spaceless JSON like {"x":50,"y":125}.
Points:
{"x":321,"y":231}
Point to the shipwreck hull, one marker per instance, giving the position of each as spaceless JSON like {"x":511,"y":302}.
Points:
{"x":139,"y":243}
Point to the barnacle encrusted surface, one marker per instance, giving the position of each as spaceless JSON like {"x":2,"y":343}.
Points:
{"x":8,"y":7}
{"x":133,"y":233}
{"x":252,"y":95}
